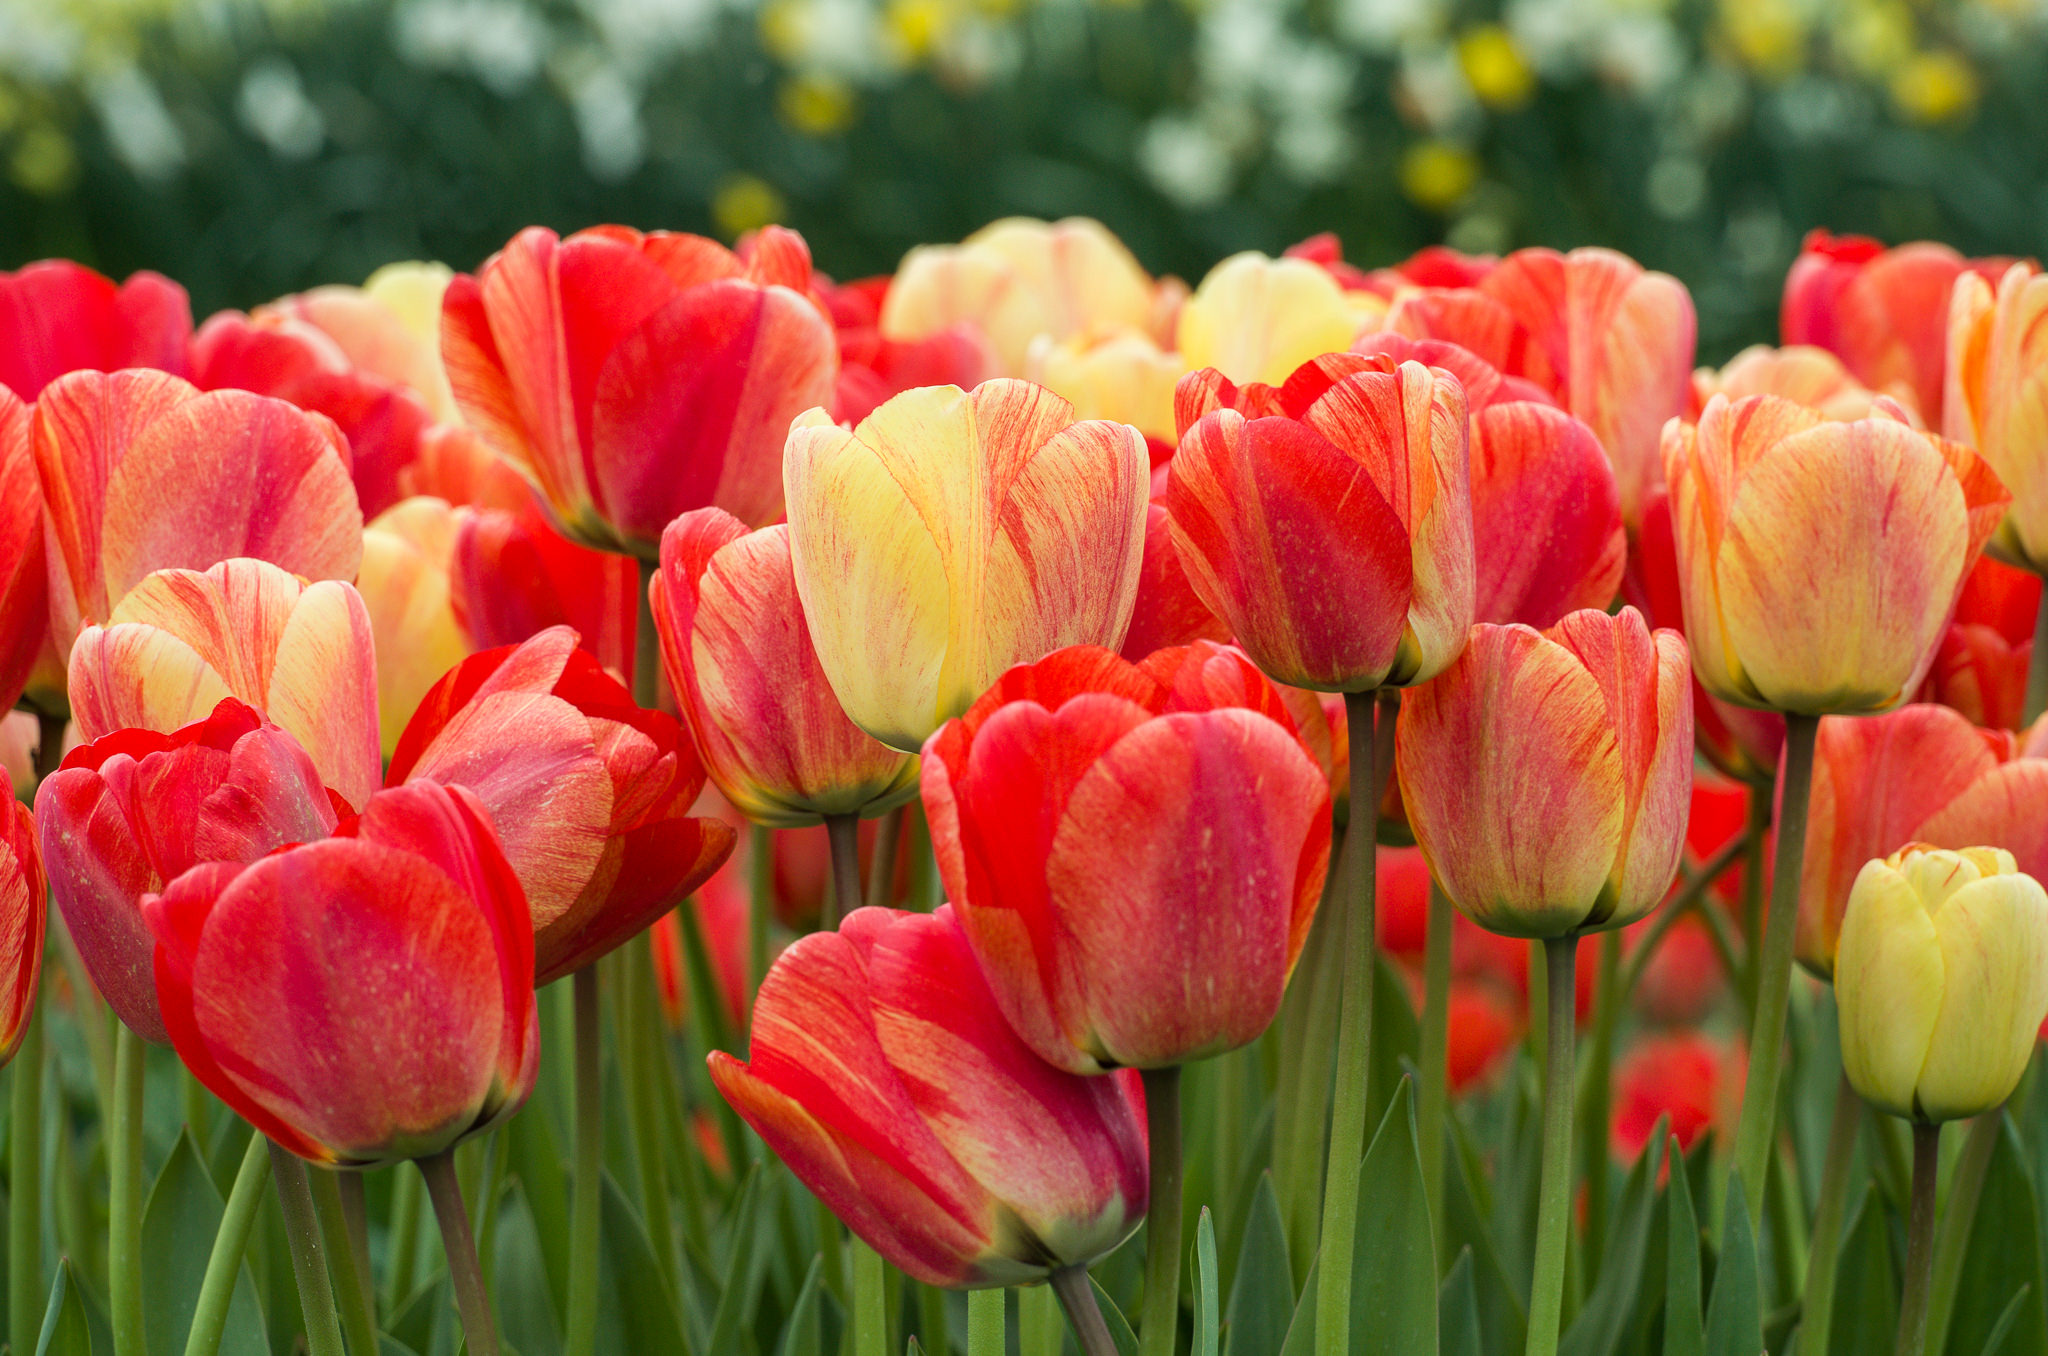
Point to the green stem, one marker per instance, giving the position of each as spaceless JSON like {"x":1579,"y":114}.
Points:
{"x":352,"y":1289}
{"x":640,"y":1050}
{"x":1161,"y":1324}
{"x":407,"y":1192}
{"x":1553,"y":1201}
{"x":832,"y":1250}
{"x":1919,"y":1241}
{"x":1687,"y":901}
{"x":192,"y":1096}
{"x":1817,"y":1312}
{"x":646,"y":643}
{"x":870,"y":1303}
{"x":355,"y":1214}
{"x":1308,"y":1041}
{"x":2037,"y":666}
{"x":882,"y":871}
{"x":217,"y":1290}
{"x":1084,"y":1312}
{"x":932,"y":1326}
{"x":25,"y":1293}
{"x":1433,"y":1052}
{"x":844,"y":897}
{"x":1774,"y":977}
{"x":124,"y":1202}
{"x":1753,"y":836}
{"x":479,"y":1329}
{"x":302,"y":1233}
{"x":985,"y":1335}
{"x":1596,"y":1098}
{"x":1959,"y":1217}
{"x":580,"y":1331}
{"x":1039,"y":1329}
{"x":1354,"y":1041}
{"x":760,"y":907}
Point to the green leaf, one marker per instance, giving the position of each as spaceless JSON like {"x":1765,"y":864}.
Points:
{"x":1119,"y":1326}
{"x":1604,"y":1318}
{"x":1262,"y":1293}
{"x":2006,"y":1321}
{"x":1301,"y":1330}
{"x":2004,"y":1254}
{"x":734,"y":1296}
{"x":1208,"y":1338}
{"x":1683,"y":1335}
{"x":536,"y":1160}
{"x":178,"y":1228}
{"x":635,"y":1310}
{"x":800,"y":1334}
{"x":1866,"y":1312}
{"x":1503,"y":1319}
{"x":1396,"y":1037}
{"x":527,"y":1318}
{"x":64,"y":1327}
{"x":1457,"y":1309}
{"x":1735,"y":1320}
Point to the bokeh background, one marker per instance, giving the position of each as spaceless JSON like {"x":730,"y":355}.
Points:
{"x":255,"y":147}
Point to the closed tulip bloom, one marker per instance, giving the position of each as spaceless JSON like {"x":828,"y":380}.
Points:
{"x":1329,"y":523}
{"x":635,"y":377}
{"x":1547,"y":775}
{"x":407,"y":551}
{"x":739,"y":657}
{"x":1997,"y":397}
{"x":181,"y":640}
{"x":512,"y":576}
{"x":1819,"y":561}
{"x":1941,"y":980}
{"x":882,"y":1072}
{"x":389,"y":327}
{"x":1168,"y":611}
{"x":58,"y":317}
{"x":142,"y":472}
{"x":1811,"y":376}
{"x":125,"y":815}
{"x":1125,"y":376}
{"x":590,"y":795}
{"x":362,"y":999}
{"x":1258,"y":319}
{"x":1107,"y":831}
{"x":953,"y":534}
{"x":24,"y":578}
{"x":24,"y":911}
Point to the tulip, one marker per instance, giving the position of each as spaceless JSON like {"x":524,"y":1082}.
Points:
{"x":1982,"y":663}
{"x":1018,"y":279}
{"x":1942,"y":980}
{"x":1377,"y":594}
{"x":24,"y":581}
{"x":1997,"y":397}
{"x":1167,"y":611}
{"x":590,"y":795}
{"x":1819,"y":561}
{"x":261,"y":968}
{"x":967,"y":1162}
{"x":141,"y":472}
{"x":182,"y":640}
{"x":20,"y":741}
{"x":1481,"y":1031}
{"x":1690,"y":1078}
{"x":1256,"y":319}
{"x":1432,"y":266}
{"x":739,"y":658}
{"x":872,"y":368}
{"x":634,"y":377}
{"x":455,"y":464}
{"x":126,"y":814}
{"x":407,"y":550}
{"x":953,"y":534}
{"x":58,"y":317}
{"x":24,"y":903}
{"x":512,"y":576}
{"x":1811,"y":376}
{"x":390,"y":327}
{"x":1125,"y":377}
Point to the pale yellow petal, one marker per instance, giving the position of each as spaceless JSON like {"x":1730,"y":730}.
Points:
{"x":1994,"y":947}
{"x":1889,"y":982}
{"x":1257,"y":319}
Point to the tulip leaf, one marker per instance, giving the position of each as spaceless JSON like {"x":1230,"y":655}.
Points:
{"x":800,"y":1328}
{"x":178,"y":1227}
{"x":735,"y":1294}
{"x":2004,"y":1254}
{"x":1208,"y":1337}
{"x":536,"y":1160}
{"x":1683,"y":1333}
{"x":635,"y":1310}
{"x":2006,"y":1322}
{"x":1396,"y":1039}
{"x":1735,"y":1320}
{"x":1457,"y":1309}
{"x":1503,"y":1319}
{"x":527,"y":1318}
{"x":1866,"y":1311}
{"x":65,"y":1331}
{"x":1603,"y":1319}
{"x":1119,"y":1326}
{"x":1262,"y":1293}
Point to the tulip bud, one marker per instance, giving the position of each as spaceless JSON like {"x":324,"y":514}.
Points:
{"x":24,"y":910}
{"x":1997,"y":398}
{"x":965,"y":1161}
{"x":1547,"y":774}
{"x":361,"y":999}
{"x":1256,"y":319}
{"x":1942,"y":980}
{"x":58,"y":317}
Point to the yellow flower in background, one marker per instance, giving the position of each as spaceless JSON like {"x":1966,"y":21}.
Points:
{"x":43,"y":161}
{"x":1935,"y":87}
{"x":1874,"y":38}
{"x":745,"y":203}
{"x":917,"y":26}
{"x":1125,"y":377}
{"x":816,"y":105}
{"x":1494,"y":67}
{"x":1769,"y":35}
{"x":1437,"y":174}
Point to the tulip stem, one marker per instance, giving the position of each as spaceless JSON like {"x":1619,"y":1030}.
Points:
{"x":25,"y":1189}
{"x":843,"y":898}
{"x":406,"y":1191}
{"x":302,"y":1232}
{"x":1817,"y":1311}
{"x":1354,"y":1033}
{"x":580,"y":1331}
{"x":1596,"y":1100}
{"x":2037,"y":666}
{"x":1919,"y":1241}
{"x":1161,"y":1323}
{"x":1753,"y":837}
{"x":49,"y":753}
{"x":760,"y":908}
{"x":1084,"y":1313}
{"x":124,"y":1200}
{"x":882,"y":871}
{"x":870,"y":1302}
{"x":352,"y":1290}
{"x":1553,"y":1199}
{"x":464,"y":1272}
{"x":230,"y":1243}
{"x":1774,"y":972}
{"x":985,"y":1322}
{"x":646,"y":641}
{"x":1433,"y":1052}
{"x":1959,"y":1217}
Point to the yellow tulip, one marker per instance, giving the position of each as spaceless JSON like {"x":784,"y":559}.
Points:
{"x":1996,"y":398}
{"x":1126,"y":377}
{"x":1257,"y":319}
{"x":1942,"y":980}
{"x":407,"y":550}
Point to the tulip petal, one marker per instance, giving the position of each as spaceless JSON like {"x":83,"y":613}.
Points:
{"x":140,"y":677}
{"x":1994,"y":949}
{"x":1888,"y":1027}
{"x":1546,"y":516}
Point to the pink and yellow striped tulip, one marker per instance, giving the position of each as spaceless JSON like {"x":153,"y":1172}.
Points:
{"x":1256,"y":319}
{"x":1811,"y":376}
{"x":1997,"y":398}
{"x":1548,"y":774}
{"x":24,"y":914}
{"x":24,"y":576}
{"x":407,"y":552}
{"x":953,"y":534}
{"x":1819,"y":561}
{"x":390,"y":326}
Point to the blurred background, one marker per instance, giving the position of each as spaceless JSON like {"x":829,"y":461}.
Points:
{"x":255,"y":147}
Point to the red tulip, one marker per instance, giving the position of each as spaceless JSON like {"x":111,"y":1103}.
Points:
{"x":24,"y":906}
{"x":24,"y":580}
{"x":1980,"y":666}
{"x":58,"y":317}
{"x":1108,"y":831}
{"x":635,"y":377}
{"x":1693,"y":1079}
{"x":361,"y":999}
{"x":589,"y":794}
{"x":1683,"y":981}
{"x":1430,"y":266}
{"x":512,"y":576}
{"x":128,"y":813}
{"x":1168,"y":612}
{"x":1482,"y":1028}
{"x":883,"y":1074}
{"x":871,"y":368}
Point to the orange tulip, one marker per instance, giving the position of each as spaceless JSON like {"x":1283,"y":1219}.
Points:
{"x":512,"y":576}
{"x":1997,"y":397}
{"x":24,"y":905}
{"x":1168,"y":611}
{"x":389,"y":327}
{"x":1811,"y":376}
{"x":24,"y":580}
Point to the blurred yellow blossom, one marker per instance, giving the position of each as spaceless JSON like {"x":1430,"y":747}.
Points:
{"x":1768,"y":35}
{"x":1875,"y":38}
{"x":1436,"y":174}
{"x":1495,"y":68}
{"x":816,"y":104}
{"x":1936,"y":86}
{"x":744,"y":203}
{"x":916,"y":26}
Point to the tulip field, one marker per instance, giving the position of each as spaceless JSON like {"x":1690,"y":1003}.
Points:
{"x":642,"y":799}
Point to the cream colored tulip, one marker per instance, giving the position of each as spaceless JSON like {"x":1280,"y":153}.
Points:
{"x":1257,"y":319}
{"x":1125,"y":377}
